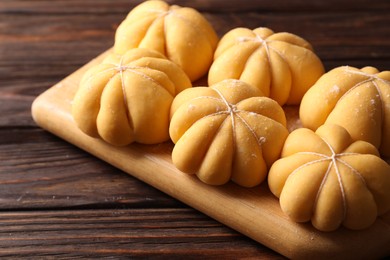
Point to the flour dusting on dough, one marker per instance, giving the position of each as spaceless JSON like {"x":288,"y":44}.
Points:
{"x":335,"y":90}
{"x":252,"y":113}
{"x":191,"y":107}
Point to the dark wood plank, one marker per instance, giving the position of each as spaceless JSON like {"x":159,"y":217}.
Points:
{"x":122,"y":6}
{"x":54,"y":46}
{"x":15,"y":110}
{"x":157,"y":233}
{"x":40,"y":171}
{"x":52,"y":41}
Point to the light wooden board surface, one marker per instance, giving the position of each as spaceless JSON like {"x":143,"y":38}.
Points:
{"x":254,"y":212}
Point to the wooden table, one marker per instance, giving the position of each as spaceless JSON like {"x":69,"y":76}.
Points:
{"x":57,"y":200}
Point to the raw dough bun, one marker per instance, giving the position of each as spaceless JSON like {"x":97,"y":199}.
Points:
{"x":226,"y":131}
{"x":182,"y":34}
{"x":328,"y":178}
{"x":282,"y":65}
{"x":358,"y":100}
{"x":127,"y":98}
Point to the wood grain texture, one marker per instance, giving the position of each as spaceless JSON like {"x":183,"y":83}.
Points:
{"x":156,"y":233}
{"x":67,"y":41}
{"x":122,"y":6}
{"x":43,"y":41}
{"x":54,"y":174}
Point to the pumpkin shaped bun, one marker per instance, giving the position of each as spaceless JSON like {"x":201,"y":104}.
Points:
{"x":128,"y":98}
{"x":182,"y":34}
{"x":282,"y":65}
{"x":226,"y":131}
{"x":328,"y":178}
{"x":357,"y":99}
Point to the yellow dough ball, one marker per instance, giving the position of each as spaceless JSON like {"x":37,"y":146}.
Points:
{"x":182,"y":34}
{"x":357,"y":99}
{"x":327,"y":178}
{"x":282,"y":65}
{"x":127,"y":98}
{"x":226,"y":131}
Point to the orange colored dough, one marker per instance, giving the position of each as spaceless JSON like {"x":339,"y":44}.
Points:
{"x":327,"y":178}
{"x":182,"y":34}
{"x":282,"y":65}
{"x":226,"y":131}
{"x":127,"y":98}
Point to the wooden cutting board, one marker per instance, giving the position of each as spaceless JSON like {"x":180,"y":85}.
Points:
{"x":254,"y":212}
